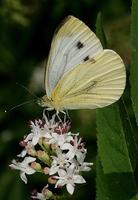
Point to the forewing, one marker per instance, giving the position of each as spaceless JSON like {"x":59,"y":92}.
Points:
{"x":93,"y":84}
{"x":72,"y":44}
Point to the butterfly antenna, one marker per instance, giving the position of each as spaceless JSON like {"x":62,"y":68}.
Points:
{"x":26,"y":102}
{"x":26,"y":89}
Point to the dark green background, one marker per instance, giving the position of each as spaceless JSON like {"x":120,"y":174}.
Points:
{"x":26,"y":29}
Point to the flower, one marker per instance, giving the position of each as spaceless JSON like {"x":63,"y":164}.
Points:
{"x":83,"y":167}
{"x":28,"y":146}
{"x":40,"y":129}
{"x":24,"y":167}
{"x":68,"y":177}
{"x":59,"y":139}
{"x":76,"y":148}
{"x":49,"y":125}
{"x":45,"y":194}
{"x":58,"y":162}
{"x":60,"y":155}
{"x":36,"y":132}
{"x":23,"y":153}
{"x":62,"y":128}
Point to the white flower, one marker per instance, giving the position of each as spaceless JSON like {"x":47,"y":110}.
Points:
{"x":76,"y":148}
{"x":24,"y":151}
{"x":83,"y":167}
{"x":59,"y":139}
{"x":69,"y":178}
{"x":45,"y":194}
{"x":24,"y":167}
{"x":40,"y":129}
{"x":49,"y":125}
{"x":60,"y":161}
{"x":36,"y":132}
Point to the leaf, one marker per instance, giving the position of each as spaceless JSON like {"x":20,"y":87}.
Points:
{"x":129,"y":129}
{"x":134,"y":57}
{"x":99,"y":30}
{"x":112,"y":147}
{"x":117,"y":151}
{"x":114,"y":186}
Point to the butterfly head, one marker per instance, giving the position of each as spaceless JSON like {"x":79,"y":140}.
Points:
{"x":45,"y":102}
{"x":50,"y":103}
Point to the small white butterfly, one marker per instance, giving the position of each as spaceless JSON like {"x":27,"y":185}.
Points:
{"x":79,"y":73}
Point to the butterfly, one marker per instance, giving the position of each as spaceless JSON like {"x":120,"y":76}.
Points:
{"x":80,"y":74}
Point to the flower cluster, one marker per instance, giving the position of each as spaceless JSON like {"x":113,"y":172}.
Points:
{"x":50,"y":148}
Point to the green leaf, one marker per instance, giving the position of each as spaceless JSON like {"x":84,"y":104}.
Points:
{"x":99,"y":30}
{"x":117,"y":150}
{"x":134,"y":57}
{"x":115,"y":186}
{"x":112,"y":147}
{"x":129,"y":129}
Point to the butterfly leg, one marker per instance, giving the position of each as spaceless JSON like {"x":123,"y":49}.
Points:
{"x":57,"y":114}
{"x":47,"y":115}
{"x":66,"y":116}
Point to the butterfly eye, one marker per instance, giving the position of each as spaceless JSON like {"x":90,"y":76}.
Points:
{"x":80,"y":45}
{"x":86,"y":58}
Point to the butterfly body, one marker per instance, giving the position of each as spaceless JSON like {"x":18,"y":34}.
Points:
{"x":80,"y":74}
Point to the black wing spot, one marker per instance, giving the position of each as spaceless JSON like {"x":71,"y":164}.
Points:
{"x":86,"y":58}
{"x":80,"y":45}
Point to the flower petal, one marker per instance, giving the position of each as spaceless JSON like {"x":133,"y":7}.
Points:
{"x":61,"y":172}
{"x":66,"y":146}
{"x":23,"y":177}
{"x":28,"y":160}
{"x":60,"y":183}
{"x":22,"y":154}
{"x":79,"y":179}
{"x":53,"y":170}
{"x":70,"y":188}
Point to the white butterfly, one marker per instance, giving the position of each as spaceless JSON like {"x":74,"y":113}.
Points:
{"x":79,"y":73}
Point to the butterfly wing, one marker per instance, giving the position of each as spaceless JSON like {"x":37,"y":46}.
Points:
{"x":72,"y":44}
{"x":96,"y":83}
